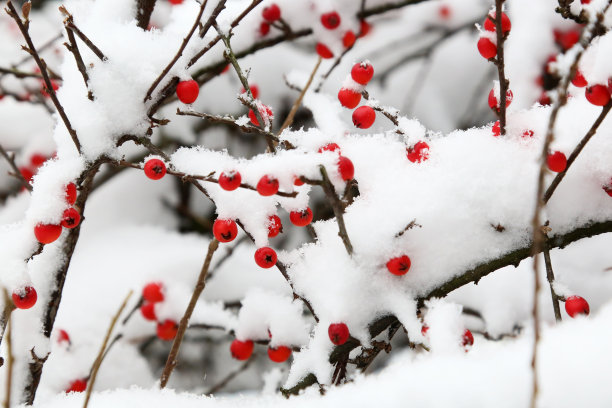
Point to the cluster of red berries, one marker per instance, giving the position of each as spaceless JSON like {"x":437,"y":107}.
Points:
{"x":495,"y":104}
{"x":152,"y":294}
{"x":331,"y":21}
{"x":487,"y":43}
{"x":78,"y":385}
{"x":270,"y":14}
{"x":242,"y":350}
{"x":597,"y":94}
{"x":361,"y":74}
{"x":48,"y":233}
{"x":36,"y":161}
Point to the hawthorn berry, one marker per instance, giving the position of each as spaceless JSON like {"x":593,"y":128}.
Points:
{"x":153,"y":292}
{"x":363,"y":117}
{"x":77,"y":385}
{"x":567,"y":39}
{"x":279,"y":354}
{"x":556,"y":161}
{"x":608,"y":188}
{"x":187,"y":91}
{"x":424,"y":330}
{"x":63,"y":337}
{"x":225,"y":230}
{"x":496,"y":129}
{"x":47,"y":233}
{"x":418,"y":153}
{"x":71,"y":193}
{"x":264,"y":111}
{"x":37,"y":159}
{"x":486,"y":48}
{"x":254,"y":90}
{"x":24,"y":298}
{"x":265,"y":257}
{"x":346,"y":168}
{"x":444,"y":12}
{"x":399,"y":265}
{"x":544,"y":99}
{"x":349,"y":39}
{"x":362,"y":72}
{"x":26,"y":173}
{"x":230,"y":181}
{"x":274,"y":226}
{"x":301,"y":218}
{"x":71,"y":218}
{"x":167,"y":330}
{"x":330,"y":20}
{"x":585,"y":1}
{"x":225,"y":69}
{"x":175,"y":2}
{"x":579,"y":80}
{"x":467,"y":339}
{"x":45,"y":91}
{"x":271,"y":13}
{"x":338,"y":333}
{"x":349,"y":98}
{"x":148,"y":311}
{"x":323,"y":51}
{"x":489,"y":24}
{"x":494,"y":103}
{"x":575,"y":305}
{"x":264,"y":28}
{"x":297,"y":181}
{"x":155,"y":169}
{"x":364,"y":28}
{"x":527,"y":133}
{"x":241,"y":350}
{"x":330,"y":147}
{"x":598,"y":95}
{"x":267,"y":186}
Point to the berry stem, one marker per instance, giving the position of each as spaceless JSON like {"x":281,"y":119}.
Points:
{"x":197,"y":291}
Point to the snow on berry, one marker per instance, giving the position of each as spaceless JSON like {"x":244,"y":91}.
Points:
{"x":24,"y":298}
{"x":301,"y":218}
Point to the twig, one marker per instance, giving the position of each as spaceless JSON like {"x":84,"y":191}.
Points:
{"x":551,"y":279}
{"x":386,"y":7}
{"x":229,"y":377}
{"x":176,"y":344}
{"x":71,"y":26}
{"x":74,"y":49}
{"x":30,"y":49}
{"x":338,"y":210}
{"x":499,"y":62}
{"x":410,"y":226}
{"x":8,"y":308}
{"x":21,"y":74}
{"x":178,"y":54}
{"x":289,"y":120}
{"x":144,"y":9}
{"x":98,"y":362}
{"x":11,"y":161}
{"x":393,"y":117}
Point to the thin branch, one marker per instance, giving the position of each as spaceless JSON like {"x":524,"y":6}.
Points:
{"x":289,"y":120}
{"x":229,"y":377}
{"x":178,"y":54}
{"x":383,"y":8}
{"x":10,"y":158}
{"x":144,"y":9}
{"x":21,"y":74}
{"x":74,"y":49}
{"x":197,"y":291}
{"x":338,"y":210}
{"x":550,"y":276}
{"x":98,"y":362}
{"x":30,"y":49}
{"x":499,"y":62}
{"x":71,"y":26}
{"x":392,"y":116}
{"x":8,"y":309}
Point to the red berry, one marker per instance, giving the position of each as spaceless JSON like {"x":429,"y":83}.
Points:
{"x":349,"y":39}
{"x":323,"y":51}
{"x":264,"y":28}
{"x":225,"y":230}
{"x":467,"y":339}
{"x":77,"y":386}
{"x":225,"y":69}
{"x":486,"y":48}
{"x":494,"y":103}
{"x":557,"y":161}
{"x":575,"y":305}
{"x":274,"y":226}
{"x":267,"y":186}
{"x":364,"y":117}
{"x":301,"y":218}
{"x":44,"y":90}
{"x":349,"y":98}
{"x":153,"y":292}
{"x":25,"y":298}
{"x":71,"y":193}
{"x":338,"y":333}
{"x":242,"y":350}
{"x":264,"y":111}
{"x":585,"y":1}
{"x":154,"y":169}
{"x":47,"y":233}
{"x":399,"y":266}
{"x":346,"y":168}
{"x":175,"y":2}
{"x":37,"y":159}
{"x":579,"y":80}
{"x":271,"y":13}
{"x":418,"y":153}
{"x":568,"y":39}
{"x":187,"y":91}
{"x":330,"y":20}
{"x":297,"y":181}
{"x":489,"y":25}
{"x":230,"y":181}
{"x":362,"y":72}
{"x":26,"y":173}
{"x":71,"y":218}
{"x":254,"y":90}
{"x":265,"y":257}
{"x":527,"y":133}
{"x":424,"y":329}
{"x":496,"y":129}
{"x":364,"y":28}
{"x":148,"y":311}
{"x":167,"y":330}
{"x":62,"y":336}
{"x":444,"y":12}
{"x":279,"y":354}
{"x":330,"y":147}
{"x":598,"y":95}
{"x":544,"y":99}
{"x":608,"y":188}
